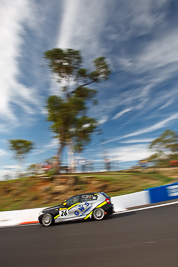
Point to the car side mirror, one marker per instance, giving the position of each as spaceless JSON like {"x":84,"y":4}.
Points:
{"x":64,"y":204}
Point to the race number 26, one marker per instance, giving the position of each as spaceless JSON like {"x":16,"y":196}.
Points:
{"x":63,"y":213}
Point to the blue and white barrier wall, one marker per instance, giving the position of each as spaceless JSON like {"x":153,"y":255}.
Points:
{"x":163,"y":193}
{"x":121,"y":203}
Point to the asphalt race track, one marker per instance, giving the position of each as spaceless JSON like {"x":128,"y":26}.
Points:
{"x":142,"y":238}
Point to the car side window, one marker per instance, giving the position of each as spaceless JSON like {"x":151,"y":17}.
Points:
{"x":86,"y":198}
{"x":94,"y":197}
{"x":73,"y":200}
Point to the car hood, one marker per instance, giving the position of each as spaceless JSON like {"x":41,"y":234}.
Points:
{"x":52,"y":208}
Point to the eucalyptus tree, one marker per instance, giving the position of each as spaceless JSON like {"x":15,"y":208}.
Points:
{"x":68,"y":112}
{"x":21,"y":148}
{"x":165,"y":147}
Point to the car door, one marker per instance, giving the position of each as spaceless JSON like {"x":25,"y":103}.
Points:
{"x":73,"y":205}
{"x":67,"y":212}
{"x":87,"y":204}
{"x":79,"y":206}
{"x":67,"y":209}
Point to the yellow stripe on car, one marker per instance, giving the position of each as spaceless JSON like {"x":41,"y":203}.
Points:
{"x":102,"y":204}
{"x":88,"y":215}
{"x":73,"y":206}
{"x":65,"y":209}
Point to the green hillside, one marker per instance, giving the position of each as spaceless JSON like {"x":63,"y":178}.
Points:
{"x":40,"y":191}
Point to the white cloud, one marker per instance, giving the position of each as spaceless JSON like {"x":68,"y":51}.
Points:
{"x":10,"y":29}
{"x":3,"y":152}
{"x":158,"y":58}
{"x":160,"y":52}
{"x":154,"y":127}
{"x":76,"y":31}
{"x":69,"y":19}
{"x":130,"y":153}
{"x":168,"y":103}
{"x":11,"y":167}
{"x":121,"y":113}
{"x":103,"y":120}
{"x":137,"y":141}
{"x":79,"y":25}
{"x":15,"y":15}
{"x":53,"y":145}
{"x":3,"y":128}
{"x":145,"y":95}
{"x":134,"y":19}
{"x":9,"y":172}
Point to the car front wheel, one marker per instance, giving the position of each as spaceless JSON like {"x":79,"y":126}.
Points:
{"x":98,"y":214}
{"x":47,"y":219}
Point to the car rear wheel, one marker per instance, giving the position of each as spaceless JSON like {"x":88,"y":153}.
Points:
{"x":47,"y":219}
{"x":98,"y":214}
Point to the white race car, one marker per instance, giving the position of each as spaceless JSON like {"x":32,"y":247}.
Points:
{"x":82,"y":206}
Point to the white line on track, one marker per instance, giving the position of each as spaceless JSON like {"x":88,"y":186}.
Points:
{"x":150,"y":207}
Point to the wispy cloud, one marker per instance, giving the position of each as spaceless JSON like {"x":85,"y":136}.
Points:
{"x":69,"y":19}
{"x":53,"y":145}
{"x":103,"y":120}
{"x":130,"y":153}
{"x":149,"y":129}
{"x":3,"y":128}
{"x":154,"y":127}
{"x":136,"y":19}
{"x":11,"y":167}
{"x":121,"y":113}
{"x":126,"y":153}
{"x":76,"y":31}
{"x":148,"y":140}
{"x":10,"y":32}
{"x":160,"y":53}
{"x":13,"y":31}
{"x":167,"y":104}
{"x":3,"y":152}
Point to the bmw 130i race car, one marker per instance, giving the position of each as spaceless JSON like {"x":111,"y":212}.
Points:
{"x":78,"y":207}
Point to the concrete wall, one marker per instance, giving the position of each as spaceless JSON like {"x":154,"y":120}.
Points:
{"x":131,"y":200}
{"x":18,"y":217}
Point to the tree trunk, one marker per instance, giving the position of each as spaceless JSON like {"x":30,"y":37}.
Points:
{"x":58,"y":160}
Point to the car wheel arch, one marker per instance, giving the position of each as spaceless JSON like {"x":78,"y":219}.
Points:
{"x":47,"y":219}
{"x":98,"y":214}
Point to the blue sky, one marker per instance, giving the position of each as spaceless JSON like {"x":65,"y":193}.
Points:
{"x":139,"y":101}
